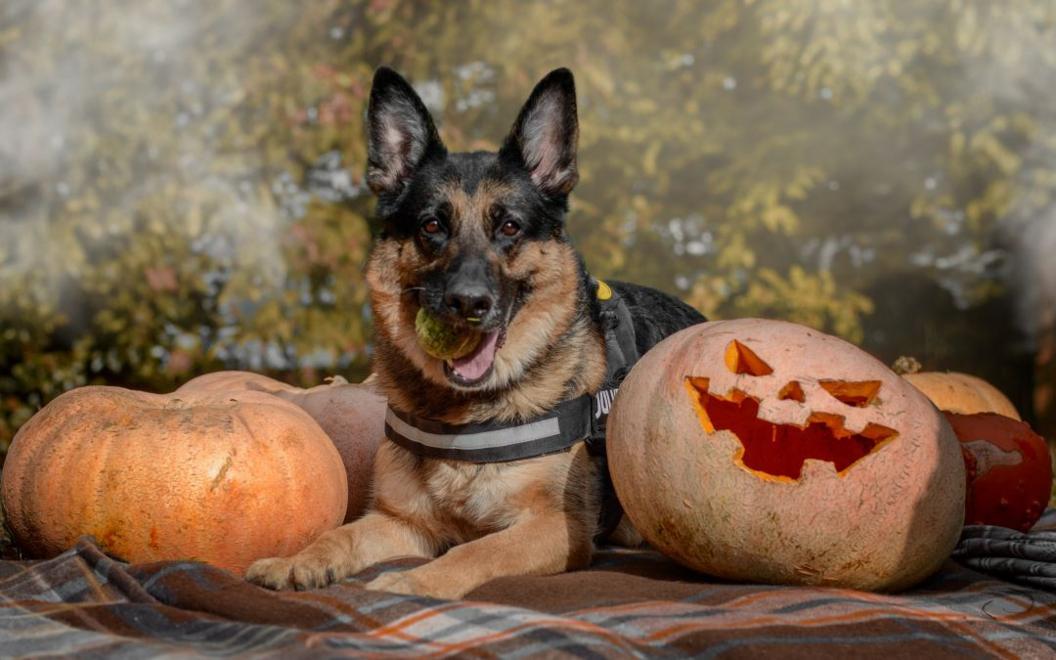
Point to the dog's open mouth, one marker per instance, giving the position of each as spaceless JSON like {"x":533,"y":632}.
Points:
{"x":475,"y":367}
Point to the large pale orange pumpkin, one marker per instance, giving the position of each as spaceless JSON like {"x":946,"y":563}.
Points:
{"x":225,"y":479}
{"x":962,"y":393}
{"x":769,"y":452}
{"x":353,"y":415}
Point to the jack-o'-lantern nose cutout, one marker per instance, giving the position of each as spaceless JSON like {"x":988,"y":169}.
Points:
{"x":793,"y":391}
{"x":853,"y":393}
{"x":778,"y":450}
{"x":742,"y":360}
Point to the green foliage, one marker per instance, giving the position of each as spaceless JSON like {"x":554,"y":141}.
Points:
{"x":181,"y":182}
{"x":810,"y":299}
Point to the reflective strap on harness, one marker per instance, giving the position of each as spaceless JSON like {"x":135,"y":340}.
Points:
{"x":493,"y":442}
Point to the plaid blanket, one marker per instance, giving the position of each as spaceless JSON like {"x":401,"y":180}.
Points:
{"x":629,"y":603}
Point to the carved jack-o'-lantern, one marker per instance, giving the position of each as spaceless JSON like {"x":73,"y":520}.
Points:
{"x":766,"y":451}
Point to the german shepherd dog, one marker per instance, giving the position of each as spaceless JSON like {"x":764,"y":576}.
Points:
{"x":478,"y":240}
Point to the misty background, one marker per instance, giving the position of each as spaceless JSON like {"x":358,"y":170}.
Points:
{"x":181,"y":181}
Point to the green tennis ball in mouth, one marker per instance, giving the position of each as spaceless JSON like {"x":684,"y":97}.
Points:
{"x":441,"y":340}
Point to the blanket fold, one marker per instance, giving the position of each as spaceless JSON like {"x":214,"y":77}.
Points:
{"x":1027,"y":558}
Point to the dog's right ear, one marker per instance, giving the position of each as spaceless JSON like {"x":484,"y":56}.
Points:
{"x":400,"y":133}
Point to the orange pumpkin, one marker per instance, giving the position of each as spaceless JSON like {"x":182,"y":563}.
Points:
{"x":353,"y":415}
{"x":1009,"y":470}
{"x":769,"y":452}
{"x":962,"y":393}
{"x":226,"y":479}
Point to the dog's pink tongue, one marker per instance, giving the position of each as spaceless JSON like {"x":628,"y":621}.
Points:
{"x":477,"y":363}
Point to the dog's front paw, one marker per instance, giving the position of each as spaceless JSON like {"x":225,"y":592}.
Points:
{"x":415,"y":583}
{"x":273,"y":573}
{"x":300,"y":572}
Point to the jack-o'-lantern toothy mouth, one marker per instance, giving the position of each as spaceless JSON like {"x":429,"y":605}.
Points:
{"x":779,"y":450}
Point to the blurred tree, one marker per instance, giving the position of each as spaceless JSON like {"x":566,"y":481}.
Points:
{"x":181,"y":182}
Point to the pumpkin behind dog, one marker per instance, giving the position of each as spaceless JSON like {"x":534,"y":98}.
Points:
{"x":352,"y":414}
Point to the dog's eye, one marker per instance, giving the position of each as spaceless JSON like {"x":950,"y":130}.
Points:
{"x":510,"y":228}
{"x":432,"y":227}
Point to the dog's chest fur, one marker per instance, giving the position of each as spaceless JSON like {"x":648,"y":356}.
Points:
{"x":458,"y":501}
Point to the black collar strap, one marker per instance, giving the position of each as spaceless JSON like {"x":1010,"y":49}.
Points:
{"x":566,"y":424}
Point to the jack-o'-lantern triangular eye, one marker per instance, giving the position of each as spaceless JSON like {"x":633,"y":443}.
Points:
{"x":853,"y":393}
{"x":742,"y":360}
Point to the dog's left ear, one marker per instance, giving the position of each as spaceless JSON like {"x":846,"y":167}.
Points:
{"x":543,"y":139}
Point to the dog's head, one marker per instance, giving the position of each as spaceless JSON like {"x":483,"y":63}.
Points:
{"x":477,"y":239}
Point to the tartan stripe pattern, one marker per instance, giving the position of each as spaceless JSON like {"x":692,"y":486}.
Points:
{"x":999,"y":601}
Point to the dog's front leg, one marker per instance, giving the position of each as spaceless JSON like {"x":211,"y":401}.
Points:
{"x":539,"y":545}
{"x":341,"y":552}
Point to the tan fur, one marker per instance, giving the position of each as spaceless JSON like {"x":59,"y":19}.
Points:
{"x":535,"y":516}
{"x":471,"y":211}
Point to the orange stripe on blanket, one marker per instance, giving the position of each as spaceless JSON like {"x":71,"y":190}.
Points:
{"x":956,"y":621}
{"x":562,"y":623}
{"x":1028,"y":609}
{"x":320,"y":598}
{"x":398,"y":629}
{"x":735,"y":603}
{"x":850,"y":617}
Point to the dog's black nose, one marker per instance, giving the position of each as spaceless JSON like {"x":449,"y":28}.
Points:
{"x":469,"y":302}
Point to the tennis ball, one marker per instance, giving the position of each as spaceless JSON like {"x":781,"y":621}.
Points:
{"x":441,"y":340}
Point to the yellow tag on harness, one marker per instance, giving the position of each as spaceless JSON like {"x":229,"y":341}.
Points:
{"x":604,"y":292}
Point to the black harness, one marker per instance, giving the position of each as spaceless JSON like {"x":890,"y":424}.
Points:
{"x":569,"y":422}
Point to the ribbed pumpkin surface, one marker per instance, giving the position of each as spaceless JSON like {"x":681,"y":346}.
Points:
{"x":226,"y":479}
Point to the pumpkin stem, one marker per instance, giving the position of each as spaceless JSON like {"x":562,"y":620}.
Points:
{"x":906,"y":364}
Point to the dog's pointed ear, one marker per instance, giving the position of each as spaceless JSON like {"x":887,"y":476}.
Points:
{"x":543,"y":138}
{"x":400,"y":133}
